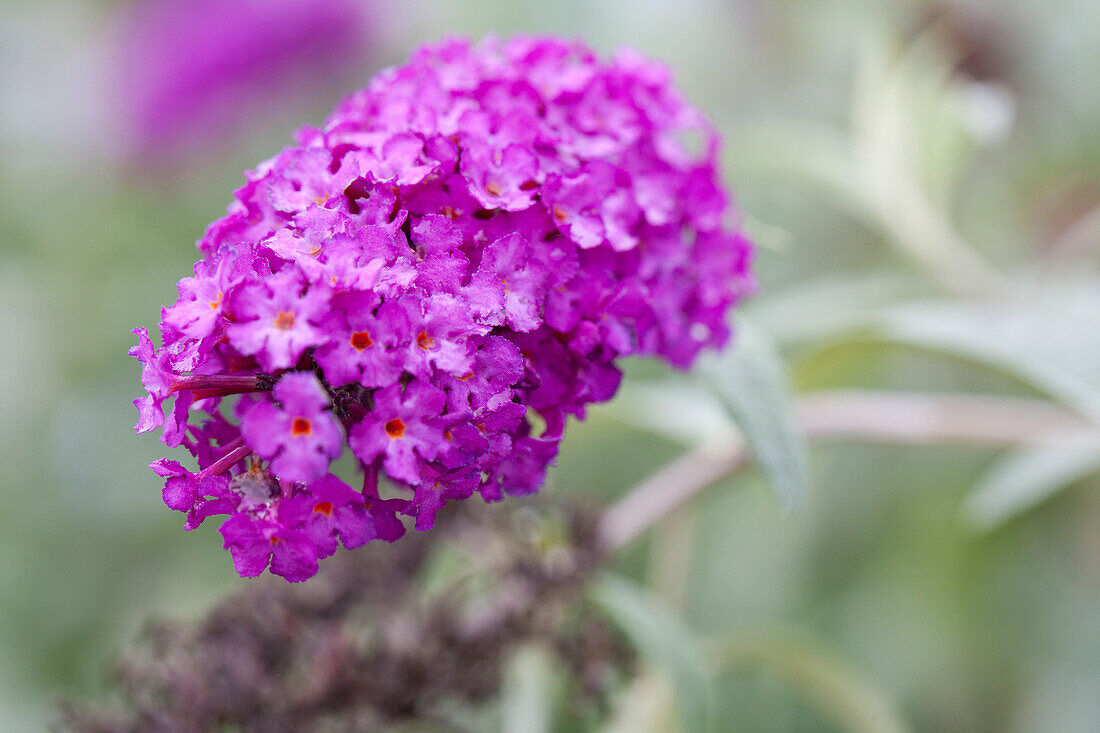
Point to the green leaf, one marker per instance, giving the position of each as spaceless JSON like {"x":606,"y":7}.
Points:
{"x":528,"y":692}
{"x":839,"y":692}
{"x":828,"y":306}
{"x":751,"y":380}
{"x":681,"y":411}
{"x":1047,"y":338}
{"x":897,"y":168}
{"x":1025,"y":478}
{"x":662,"y":639}
{"x":646,"y":705}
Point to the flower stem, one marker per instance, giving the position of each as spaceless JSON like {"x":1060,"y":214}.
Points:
{"x":904,"y":418}
{"x":238,"y":452}
{"x":217,"y":385}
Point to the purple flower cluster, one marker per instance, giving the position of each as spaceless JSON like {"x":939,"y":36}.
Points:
{"x":436,"y":280}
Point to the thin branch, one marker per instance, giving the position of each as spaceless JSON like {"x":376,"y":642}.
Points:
{"x":906,"y":418}
{"x":1078,"y":239}
{"x":929,"y":418}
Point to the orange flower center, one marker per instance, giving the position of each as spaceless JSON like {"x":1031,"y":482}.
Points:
{"x":494,"y":188}
{"x":284,"y":321}
{"x":301,"y":426}
{"x":361,"y":340}
{"x":424,"y":341}
{"x":395,"y":428}
{"x":323,"y":507}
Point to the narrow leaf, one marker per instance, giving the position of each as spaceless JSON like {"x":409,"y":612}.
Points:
{"x":679,"y":410}
{"x":647,"y":705}
{"x":527,"y":695}
{"x":751,"y":380}
{"x":828,"y":306}
{"x":1047,"y":339}
{"x":839,"y":692}
{"x":1025,"y":478}
{"x":663,"y":639}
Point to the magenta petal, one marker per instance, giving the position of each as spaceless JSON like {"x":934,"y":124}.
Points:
{"x":294,"y":557}
{"x":205,"y":509}
{"x":250,"y":549}
{"x":384,"y":513}
{"x":355,"y":526}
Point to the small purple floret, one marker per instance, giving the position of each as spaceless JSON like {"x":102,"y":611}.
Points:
{"x":300,"y":436}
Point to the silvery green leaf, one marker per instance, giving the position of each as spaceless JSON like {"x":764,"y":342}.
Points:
{"x":665,"y":642}
{"x":1027,"y":477}
{"x":828,"y":306}
{"x":852,"y":702}
{"x":1047,"y":338}
{"x":528,"y":691}
{"x":750,"y":379}
{"x":678,"y":410}
{"x":647,"y":705}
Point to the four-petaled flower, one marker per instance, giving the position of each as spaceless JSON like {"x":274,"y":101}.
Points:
{"x":300,"y":436}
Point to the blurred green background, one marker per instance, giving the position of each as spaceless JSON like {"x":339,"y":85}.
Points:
{"x":888,"y":156}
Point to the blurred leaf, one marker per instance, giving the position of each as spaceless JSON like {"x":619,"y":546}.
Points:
{"x":1025,"y":478}
{"x":1047,"y":338}
{"x":751,"y":380}
{"x":827,"y":306}
{"x":808,"y":152}
{"x":449,"y":572}
{"x":767,"y":236}
{"x":838,"y":691}
{"x":527,"y":697}
{"x":681,"y":411}
{"x":871,"y":188}
{"x":896,"y":168}
{"x":909,"y":148}
{"x":646,"y":706}
{"x":912,"y":112}
{"x":665,"y":642}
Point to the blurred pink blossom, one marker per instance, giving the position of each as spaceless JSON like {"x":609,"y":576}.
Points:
{"x":189,"y":70}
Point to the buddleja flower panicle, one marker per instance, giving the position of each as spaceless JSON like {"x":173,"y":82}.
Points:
{"x":463,"y":252}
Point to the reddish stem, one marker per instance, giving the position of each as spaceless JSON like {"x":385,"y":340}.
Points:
{"x":238,"y":451}
{"x":370,"y":481}
{"x":216,"y":385}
